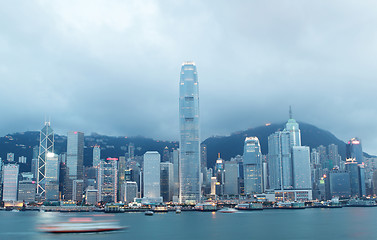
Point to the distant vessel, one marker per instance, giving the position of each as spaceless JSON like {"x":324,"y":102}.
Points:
{"x":228,"y":210}
{"x":291,"y":205}
{"x":148,"y":213}
{"x":178,"y":211}
{"x":81,"y":225}
{"x":249,"y":206}
{"x":206,"y":207}
{"x":15,"y":210}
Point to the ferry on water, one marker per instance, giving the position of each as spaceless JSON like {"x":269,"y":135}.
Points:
{"x":81,"y":225}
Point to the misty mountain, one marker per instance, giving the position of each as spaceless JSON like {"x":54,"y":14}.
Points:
{"x":228,"y":146}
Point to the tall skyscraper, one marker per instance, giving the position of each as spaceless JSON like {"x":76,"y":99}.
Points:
{"x":190,"y":187}
{"x":96,"y":155}
{"x":75,"y":159}
{"x":279,"y":160}
{"x":252,"y":166}
{"x":10,"y":182}
{"x":167,"y":181}
{"x":46,"y":145}
{"x":230,"y":178}
{"x":333,"y":156}
{"x":108,"y":180}
{"x":301,"y":167}
{"x":203,"y":155}
{"x":151,"y":173}
{"x":52,"y":177}
{"x":354,"y":150}
{"x":294,"y":131}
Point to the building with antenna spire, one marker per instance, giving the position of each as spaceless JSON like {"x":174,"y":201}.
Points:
{"x":46,"y":145}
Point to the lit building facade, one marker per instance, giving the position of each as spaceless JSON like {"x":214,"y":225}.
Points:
{"x":301,"y":167}
{"x":151,"y":174}
{"x":46,"y":144}
{"x":75,"y":159}
{"x":355,"y":150}
{"x":190,"y":186}
{"x":252,"y":166}
{"x":10,"y":182}
{"x":108,"y":180}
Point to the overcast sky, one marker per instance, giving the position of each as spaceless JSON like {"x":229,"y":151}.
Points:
{"x":112,"y":67}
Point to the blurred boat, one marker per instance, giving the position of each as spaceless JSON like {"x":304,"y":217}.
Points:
{"x":178,"y":211}
{"x":228,"y":210}
{"x":148,"y":213}
{"x":81,"y":225}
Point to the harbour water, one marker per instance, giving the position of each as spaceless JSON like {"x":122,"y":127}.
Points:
{"x":342,"y":223}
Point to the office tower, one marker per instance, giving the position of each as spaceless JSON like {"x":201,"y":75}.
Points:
{"x":129,"y":191}
{"x":333,"y":156}
{"x":339,"y":184}
{"x":96,"y":155}
{"x":166,"y":155}
{"x":190,"y":186}
{"x":323,"y":158}
{"x":108,"y":180}
{"x":10,"y":182}
{"x":213,"y":185}
{"x":77,"y":190}
{"x":121,"y":169}
{"x":34,"y":162}
{"x":357,"y":177}
{"x":354,"y":150}
{"x":265,"y":173}
{"x":151,"y":174}
{"x":10,"y":157}
{"x":301,"y":167}
{"x":26,"y":190}
{"x":91,"y":195}
{"x":131,"y":150}
{"x":75,"y":158}
{"x":279,"y":160}
{"x":219,"y":174}
{"x":22,"y":159}
{"x":166,"y":181}
{"x":46,"y":144}
{"x":230,"y":178}
{"x":294,"y":131}
{"x":176,"y":171}
{"x":203,"y":155}
{"x":52,"y":168}
{"x":252,"y":166}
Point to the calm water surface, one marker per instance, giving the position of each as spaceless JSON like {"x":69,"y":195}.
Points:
{"x":344,"y":223}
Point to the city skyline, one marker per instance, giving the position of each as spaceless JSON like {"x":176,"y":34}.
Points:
{"x":74,"y":61}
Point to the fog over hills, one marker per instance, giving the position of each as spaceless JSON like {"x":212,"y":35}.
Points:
{"x":228,"y":146}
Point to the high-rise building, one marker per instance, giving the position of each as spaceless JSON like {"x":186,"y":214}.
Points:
{"x":46,"y":144}
{"x":230,"y":178}
{"x":190,"y":186}
{"x":166,"y":155}
{"x":203,"y":155}
{"x":75,"y":159}
{"x":96,"y":155}
{"x":357,"y":177}
{"x":333,"y":156}
{"x":167,"y":181}
{"x":52,"y":167}
{"x":294,"y":131}
{"x":10,"y":182}
{"x":176,"y":172}
{"x":129,"y":191}
{"x":280,"y":161}
{"x":131,"y":150}
{"x":301,"y":168}
{"x":77,"y":190}
{"x":354,"y":150}
{"x":151,"y":174}
{"x":339,"y":184}
{"x":108,"y":180}
{"x":22,"y":159}
{"x":252,"y":166}
{"x":121,"y":169}
{"x":10,"y":157}
{"x":26,"y":190}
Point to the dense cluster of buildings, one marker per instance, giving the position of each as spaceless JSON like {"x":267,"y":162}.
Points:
{"x":289,"y":172}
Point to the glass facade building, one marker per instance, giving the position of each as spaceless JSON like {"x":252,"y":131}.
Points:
{"x":46,"y":145}
{"x":354,"y":150}
{"x":190,"y":188}
{"x":151,"y":174}
{"x":252,"y":166}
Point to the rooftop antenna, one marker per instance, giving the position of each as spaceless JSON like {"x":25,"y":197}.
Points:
{"x":290,"y":112}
